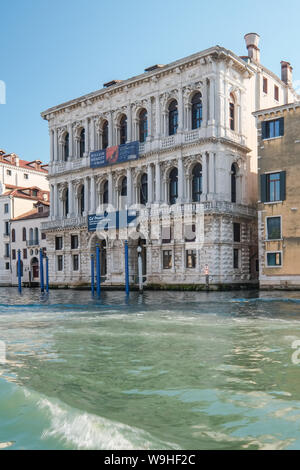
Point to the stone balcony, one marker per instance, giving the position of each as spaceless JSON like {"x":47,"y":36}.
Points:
{"x":151,"y":145}
{"x":64,"y":222}
{"x":207,"y":207}
{"x":164,"y":210}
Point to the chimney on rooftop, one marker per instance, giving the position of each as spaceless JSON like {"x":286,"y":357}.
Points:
{"x":286,"y":72}
{"x":252,"y":43}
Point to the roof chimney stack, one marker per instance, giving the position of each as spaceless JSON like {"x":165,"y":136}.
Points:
{"x":252,"y":42}
{"x":286,"y":72}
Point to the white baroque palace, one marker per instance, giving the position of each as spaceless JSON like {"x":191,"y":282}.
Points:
{"x":195,"y":175}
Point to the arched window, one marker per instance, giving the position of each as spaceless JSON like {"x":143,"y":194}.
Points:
{"x":197,"y":183}
{"x":105,"y":135}
{"x":36,"y":235}
{"x":81,"y":200}
{"x":144,"y":189}
{"x":196,"y":111}
{"x":173,"y":188}
{"x":173,"y":117}
{"x":232,"y":112}
{"x":66,"y":203}
{"x":66,"y":147}
{"x":24,"y":234}
{"x":123,"y":130}
{"x":105,"y":192}
{"x":13,"y":235}
{"x":143,"y":125}
{"x":124,"y":187}
{"x":233,"y":182}
{"x":31,"y":234}
{"x":82,"y":143}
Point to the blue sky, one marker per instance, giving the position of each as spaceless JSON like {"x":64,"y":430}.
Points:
{"x":55,"y":50}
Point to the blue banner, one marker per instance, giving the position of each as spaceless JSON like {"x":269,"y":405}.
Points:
{"x":112,"y":220}
{"x":116,"y":154}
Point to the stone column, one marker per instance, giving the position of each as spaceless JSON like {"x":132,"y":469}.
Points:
{"x":87,"y":136}
{"x":129,"y":187}
{"x":110,"y":189}
{"x":157,"y":183}
{"x":180,"y":111}
{"x":149,"y":118}
{"x":165,"y":124}
{"x":204,"y":176}
{"x":211,"y":173}
{"x":86,"y":195}
{"x":93,"y":134}
{"x":110,"y":130}
{"x":70,"y":131}
{"x":51,"y":146}
{"x":129,"y":124}
{"x":51,"y":201}
{"x":150,"y":184}
{"x":55,"y":199}
{"x":180,"y":181}
{"x":158,"y":117}
{"x":55,"y":145}
{"x":71,"y":198}
{"x":205,"y":116}
{"x":212,"y":101}
{"x":93,"y":195}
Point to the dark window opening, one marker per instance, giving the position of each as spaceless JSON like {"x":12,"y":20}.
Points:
{"x":173,"y":186}
{"x":236,"y":232}
{"x":190,"y":259}
{"x":167,"y":259}
{"x":144,"y":189}
{"x":123,"y":130}
{"x":173,"y":117}
{"x":143,"y":125}
{"x":196,"y":111}
{"x":197,"y":183}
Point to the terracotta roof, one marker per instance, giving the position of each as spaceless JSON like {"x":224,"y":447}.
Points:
{"x":14,"y":160}
{"x":19,"y":192}
{"x":33,"y":214}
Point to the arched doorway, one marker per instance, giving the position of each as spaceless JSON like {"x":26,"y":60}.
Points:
{"x":103,"y":254}
{"x":34,"y":264}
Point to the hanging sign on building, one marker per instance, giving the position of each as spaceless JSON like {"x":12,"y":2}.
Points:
{"x":116,"y":154}
{"x":112,"y":220}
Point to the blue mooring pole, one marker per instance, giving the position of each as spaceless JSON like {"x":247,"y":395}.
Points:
{"x":98,"y":270}
{"x":92,"y":275}
{"x":19,"y":272}
{"x":126,"y":268}
{"x":42,"y":271}
{"x":47,"y":274}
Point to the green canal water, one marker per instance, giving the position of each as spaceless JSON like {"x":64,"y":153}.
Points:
{"x":163,"y":370}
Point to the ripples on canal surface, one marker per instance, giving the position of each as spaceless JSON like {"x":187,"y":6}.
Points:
{"x":164,"y":370}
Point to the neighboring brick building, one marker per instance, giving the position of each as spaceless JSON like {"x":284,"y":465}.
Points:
{"x":279,"y":194}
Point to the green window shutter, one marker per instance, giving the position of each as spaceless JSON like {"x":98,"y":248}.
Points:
{"x":263,"y":188}
{"x":263,"y":130}
{"x":281,"y":126}
{"x":282,"y":185}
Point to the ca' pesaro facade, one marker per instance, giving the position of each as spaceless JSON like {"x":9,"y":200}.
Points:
{"x":166,"y":160}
